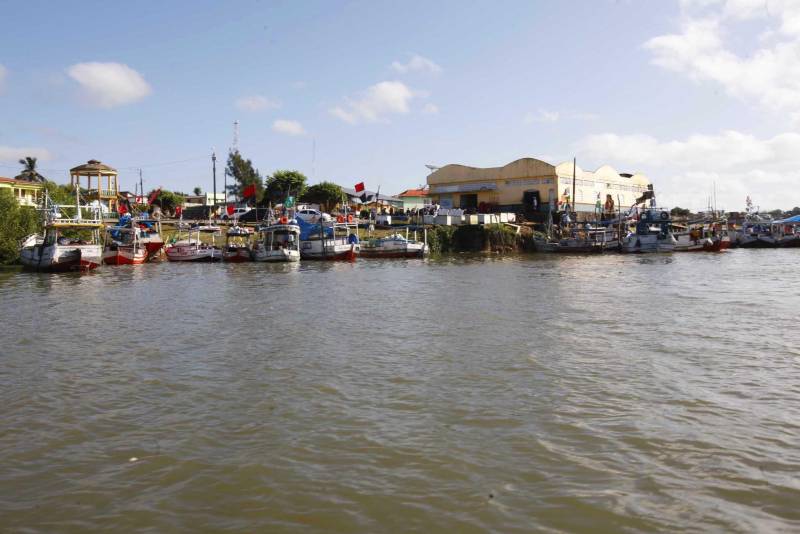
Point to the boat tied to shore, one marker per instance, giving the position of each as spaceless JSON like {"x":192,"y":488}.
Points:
{"x":68,"y":244}
{"x":653,"y":227}
{"x":395,"y":246}
{"x":278,"y":241}
{"x":330,"y":240}
{"x":193,"y":248}
{"x":132,"y":241}
{"x":704,"y":236}
{"x":237,"y":245}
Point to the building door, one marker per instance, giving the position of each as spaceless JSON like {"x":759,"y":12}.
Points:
{"x":531,"y":200}
{"x":469,"y":201}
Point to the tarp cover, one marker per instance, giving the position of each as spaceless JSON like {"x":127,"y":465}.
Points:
{"x":308,"y":230}
{"x":790,"y":220}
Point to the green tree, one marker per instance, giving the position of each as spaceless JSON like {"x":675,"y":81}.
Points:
{"x":16,"y":222}
{"x":244,"y":174}
{"x":679,"y":212}
{"x":167,"y":201}
{"x":283,"y":183}
{"x":29,"y":171}
{"x":776,"y":214}
{"x":326,"y":194}
{"x":198,"y":191}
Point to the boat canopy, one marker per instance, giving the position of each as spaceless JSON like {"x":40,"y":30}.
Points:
{"x":309,"y":230}
{"x":790,"y":220}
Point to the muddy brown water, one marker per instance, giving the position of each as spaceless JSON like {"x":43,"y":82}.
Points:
{"x":464,"y":394}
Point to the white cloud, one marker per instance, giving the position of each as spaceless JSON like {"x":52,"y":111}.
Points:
{"x":543,"y":115}
{"x":376,"y":103}
{"x":3,"y":74}
{"x":288,"y":127}
{"x":684,"y":171}
{"x":14,"y":154}
{"x":256,"y":103}
{"x":108,"y":85}
{"x":769,"y":75}
{"x":430,"y":109}
{"x":417,"y":63}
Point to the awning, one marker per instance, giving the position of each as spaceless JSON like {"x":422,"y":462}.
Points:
{"x":790,"y":220}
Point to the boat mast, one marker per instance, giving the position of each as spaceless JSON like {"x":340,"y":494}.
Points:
{"x":77,"y":203}
{"x":574,"y":193}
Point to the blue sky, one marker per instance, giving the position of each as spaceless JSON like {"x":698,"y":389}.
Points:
{"x":693,"y":92}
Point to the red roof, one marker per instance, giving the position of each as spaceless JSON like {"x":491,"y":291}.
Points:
{"x":414,"y":193}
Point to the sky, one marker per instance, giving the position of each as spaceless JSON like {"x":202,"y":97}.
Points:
{"x":703,"y":96}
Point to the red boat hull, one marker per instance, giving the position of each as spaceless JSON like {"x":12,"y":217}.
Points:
{"x":237,"y":256}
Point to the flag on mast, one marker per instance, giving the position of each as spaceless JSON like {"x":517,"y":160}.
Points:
{"x":359,"y":187}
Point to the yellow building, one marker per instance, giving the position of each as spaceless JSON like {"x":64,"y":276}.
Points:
{"x":530,"y":183}
{"x":27,"y":193}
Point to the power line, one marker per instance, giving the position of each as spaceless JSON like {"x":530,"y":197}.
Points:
{"x":133,"y":168}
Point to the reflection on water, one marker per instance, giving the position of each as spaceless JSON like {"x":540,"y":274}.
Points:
{"x":502,"y":393}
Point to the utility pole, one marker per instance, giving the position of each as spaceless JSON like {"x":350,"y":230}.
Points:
{"x":141,"y":185}
{"x":574,"y":193}
{"x":214,"y":170}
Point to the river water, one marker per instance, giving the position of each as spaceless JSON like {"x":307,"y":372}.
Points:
{"x":468,"y":394}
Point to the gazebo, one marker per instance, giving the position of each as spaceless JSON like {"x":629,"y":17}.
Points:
{"x":104,"y":187}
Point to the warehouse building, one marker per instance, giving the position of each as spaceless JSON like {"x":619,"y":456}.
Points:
{"x":532,"y":184}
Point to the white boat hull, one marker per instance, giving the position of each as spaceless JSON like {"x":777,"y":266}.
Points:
{"x":58,"y":258}
{"x":393,"y":249}
{"x":192,"y":253}
{"x":313,"y":250}
{"x":276,"y":255}
{"x":647,"y":244}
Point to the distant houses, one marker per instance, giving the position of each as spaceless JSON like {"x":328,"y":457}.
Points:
{"x":27,"y":193}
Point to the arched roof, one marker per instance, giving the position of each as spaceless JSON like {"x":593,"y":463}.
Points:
{"x":93,"y":167}
{"x":521,"y":168}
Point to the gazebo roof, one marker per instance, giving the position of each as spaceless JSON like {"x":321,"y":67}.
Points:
{"x":93,"y":167}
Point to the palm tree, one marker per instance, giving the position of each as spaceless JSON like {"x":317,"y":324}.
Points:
{"x":29,"y":171}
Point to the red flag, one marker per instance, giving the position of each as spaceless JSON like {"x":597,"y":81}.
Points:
{"x":359,"y":187}
{"x":249,"y":191}
{"x":153,"y":196}
{"x":230,"y":209}
{"x":121,"y":209}
{"x":178,"y":210}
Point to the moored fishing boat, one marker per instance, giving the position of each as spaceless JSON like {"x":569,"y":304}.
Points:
{"x":278,"y":242}
{"x":193,"y":249}
{"x":332,"y":241}
{"x":68,"y":244}
{"x":237,"y":245}
{"x":588,"y":239}
{"x":652,"y":232}
{"x":149,"y":235}
{"x":787,"y":232}
{"x":123,"y":247}
{"x":755,"y":234}
{"x":394,"y":246}
{"x":704,"y":237}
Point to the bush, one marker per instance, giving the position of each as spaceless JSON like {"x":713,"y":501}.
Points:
{"x":16,"y":222}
